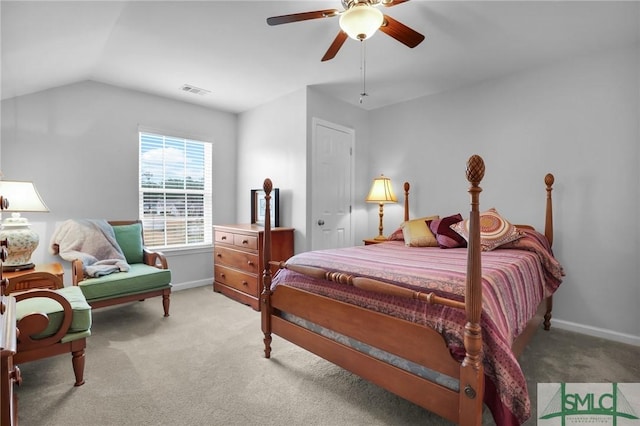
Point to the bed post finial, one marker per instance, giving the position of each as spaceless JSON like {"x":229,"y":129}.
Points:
{"x":549,"y":179}
{"x":406,"y":201}
{"x":267,"y":186}
{"x":475,"y":170}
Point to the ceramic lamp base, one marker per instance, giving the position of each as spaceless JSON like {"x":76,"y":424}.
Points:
{"x":21,"y":242}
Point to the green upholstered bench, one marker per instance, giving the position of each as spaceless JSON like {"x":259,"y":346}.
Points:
{"x":149,"y":275}
{"x":53,"y":322}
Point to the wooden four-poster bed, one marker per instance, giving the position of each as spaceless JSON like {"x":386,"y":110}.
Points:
{"x":431,"y":339}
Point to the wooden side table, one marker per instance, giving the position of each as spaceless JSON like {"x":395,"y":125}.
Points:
{"x":52,"y":268}
{"x":369,"y":241}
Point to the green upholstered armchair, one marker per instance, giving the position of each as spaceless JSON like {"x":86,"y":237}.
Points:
{"x":148,"y":276}
{"x":51,"y":322}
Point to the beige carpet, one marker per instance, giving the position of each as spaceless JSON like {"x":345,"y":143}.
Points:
{"x":204,"y":365}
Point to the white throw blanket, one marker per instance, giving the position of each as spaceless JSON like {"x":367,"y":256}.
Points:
{"x":92,"y":241}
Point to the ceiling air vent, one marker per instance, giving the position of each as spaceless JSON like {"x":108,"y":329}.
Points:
{"x":195,"y":90}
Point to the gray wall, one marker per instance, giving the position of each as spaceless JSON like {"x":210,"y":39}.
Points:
{"x":272,"y":144}
{"x":79,"y":144}
{"x":578,"y":119}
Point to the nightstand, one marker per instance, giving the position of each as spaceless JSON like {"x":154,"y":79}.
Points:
{"x":369,"y":241}
{"x":52,"y":268}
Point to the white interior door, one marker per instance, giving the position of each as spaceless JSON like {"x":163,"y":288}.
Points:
{"x":331,"y":186}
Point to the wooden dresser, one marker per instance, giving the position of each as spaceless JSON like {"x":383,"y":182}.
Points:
{"x":237,"y":259}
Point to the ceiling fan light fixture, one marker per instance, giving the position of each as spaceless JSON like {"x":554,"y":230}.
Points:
{"x":361,"y":21}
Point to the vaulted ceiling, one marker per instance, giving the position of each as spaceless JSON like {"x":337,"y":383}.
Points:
{"x":226,"y":47}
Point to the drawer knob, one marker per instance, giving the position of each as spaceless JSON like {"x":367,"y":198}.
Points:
{"x":219,"y":254}
{"x":249,"y":262}
{"x":245,"y":241}
{"x":223,"y":275}
{"x":224,"y":237}
{"x":244,"y":283}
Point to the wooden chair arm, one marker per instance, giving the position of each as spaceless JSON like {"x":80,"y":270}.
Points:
{"x":36,"y":322}
{"x":77,"y":271}
{"x":155,"y":258}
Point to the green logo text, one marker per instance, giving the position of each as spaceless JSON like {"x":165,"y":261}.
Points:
{"x":588,"y":405}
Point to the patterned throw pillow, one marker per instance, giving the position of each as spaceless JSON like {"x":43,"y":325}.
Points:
{"x":417,"y":233}
{"x":447,"y":237}
{"x":494,"y":230}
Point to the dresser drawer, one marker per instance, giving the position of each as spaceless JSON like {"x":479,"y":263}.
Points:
{"x":223,"y":237}
{"x":244,"y":282}
{"x":245,"y":241}
{"x":243,"y":260}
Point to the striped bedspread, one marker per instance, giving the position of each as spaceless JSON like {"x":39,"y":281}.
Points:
{"x":515,"y":280}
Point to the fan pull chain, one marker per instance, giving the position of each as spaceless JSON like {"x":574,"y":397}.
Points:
{"x":363,"y":70}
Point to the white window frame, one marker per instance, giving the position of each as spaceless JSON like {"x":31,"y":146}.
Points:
{"x":165,"y":158}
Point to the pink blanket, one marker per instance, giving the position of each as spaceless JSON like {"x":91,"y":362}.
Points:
{"x":515,"y":280}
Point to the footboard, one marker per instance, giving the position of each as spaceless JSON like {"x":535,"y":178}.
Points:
{"x":424,"y":372}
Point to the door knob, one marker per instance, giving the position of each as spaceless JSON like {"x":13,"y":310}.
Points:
{"x":320,"y":222}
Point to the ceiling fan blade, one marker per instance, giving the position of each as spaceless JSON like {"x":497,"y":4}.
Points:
{"x":389,"y":3}
{"x":401,"y":32}
{"x":335,"y":46}
{"x":304,"y":16}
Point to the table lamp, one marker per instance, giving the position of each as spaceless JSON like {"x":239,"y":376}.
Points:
{"x":21,"y":239}
{"x":381,"y":192}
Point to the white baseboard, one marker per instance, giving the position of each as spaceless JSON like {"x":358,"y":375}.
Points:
{"x":193,"y":284}
{"x":596,"y":332}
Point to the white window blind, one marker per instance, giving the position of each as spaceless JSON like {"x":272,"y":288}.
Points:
{"x":175,"y":197}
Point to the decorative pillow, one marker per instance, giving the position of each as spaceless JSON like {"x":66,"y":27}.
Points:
{"x":494,"y":230}
{"x":397,"y":235}
{"x":129,"y":238}
{"x":417,"y":233}
{"x":447,"y":237}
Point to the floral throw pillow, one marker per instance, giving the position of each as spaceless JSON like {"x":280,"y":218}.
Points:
{"x":494,"y":230}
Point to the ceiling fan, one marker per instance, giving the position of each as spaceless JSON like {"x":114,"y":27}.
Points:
{"x":359,"y":20}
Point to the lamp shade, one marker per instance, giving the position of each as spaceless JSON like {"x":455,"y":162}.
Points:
{"x":22,"y":196}
{"x":381,"y":191}
{"x":361,"y":21}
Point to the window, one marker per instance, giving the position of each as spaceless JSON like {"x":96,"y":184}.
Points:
{"x":175,"y":191}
